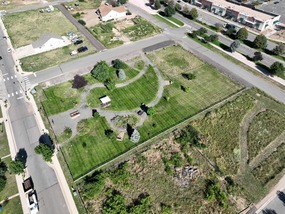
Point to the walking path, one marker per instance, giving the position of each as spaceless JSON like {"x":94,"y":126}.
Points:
{"x":9,"y":198}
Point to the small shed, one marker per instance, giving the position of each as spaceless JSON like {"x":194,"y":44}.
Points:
{"x":106,"y":101}
{"x":120,"y":136}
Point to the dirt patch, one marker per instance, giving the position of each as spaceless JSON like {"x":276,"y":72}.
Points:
{"x":90,"y":17}
{"x":280,"y":35}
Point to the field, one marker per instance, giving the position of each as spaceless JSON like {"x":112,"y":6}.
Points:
{"x":91,"y":146}
{"x":112,"y":34}
{"x":4,"y":147}
{"x":26,"y":27}
{"x":54,"y":57}
{"x":13,"y":206}
{"x":142,"y":91}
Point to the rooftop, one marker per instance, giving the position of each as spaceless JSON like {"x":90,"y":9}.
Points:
{"x":105,"y":100}
{"x":244,"y":10}
{"x":105,"y":9}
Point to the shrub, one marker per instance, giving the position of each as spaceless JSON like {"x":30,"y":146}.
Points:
{"x":178,"y":7}
{"x":110,"y":134}
{"x":3,"y":182}
{"x":110,"y":84}
{"x":16,"y":167}
{"x":201,"y":31}
{"x":77,"y":15}
{"x":151,"y":111}
{"x":45,"y":151}
{"x":119,"y":64}
{"x":212,"y":38}
{"x":81,"y":21}
{"x":260,"y":41}
{"x":277,"y":68}
{"x":94,"y":187}
{"x":101,"y":71}
{"x":79,"y":82}
{"x":157,"y":4}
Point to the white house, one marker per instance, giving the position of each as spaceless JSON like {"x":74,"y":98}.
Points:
{"x":106,"y":12}
{"x":48,"y":42}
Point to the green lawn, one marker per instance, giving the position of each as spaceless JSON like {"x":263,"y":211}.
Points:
{"x":13,"y":206}
{"x":176,"y":21}
{"x":91,"y":146}
{"x":162,"y":19}
{"x":54,"y":57}
{"x":130,"y":97}
{"x":26,"y":27}
{"x":60,"y":98}
{"x":11,"y":187}
{"x":4,"y":147}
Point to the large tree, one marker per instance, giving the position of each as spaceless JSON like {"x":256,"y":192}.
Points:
{"x":157,"y":4}
{"x":169,"y":11}
{"x":260,"y":41}
{"x":279,"y":49}
{"x":79,"y":82}
{"x":17,"y":167}
{"x":101,"y":71}
{"x":45,"y":151}
{"x":277,"y":68}
{"x":242,"y":34}
{"x":193,"y":13}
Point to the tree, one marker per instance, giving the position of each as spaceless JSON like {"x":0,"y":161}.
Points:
{"x":279,"y":49}
{"x":257,"y":56}
{"x":193,"y":13}
{"x":260,"y":41}
{"x":17,"y":167}
{"x":121,"y":74}
{"x":101,"y":71}
{"x":3,"y":181}
{"x":201,"y":31}
{"x":188,"y":136}
{"x":114,"y":203}
{"x":214,"y":192}
{"x":212,"y":38}
{"x":135,"y":137}
{"x":186,"y":10}
{"x":242,"y":34}
{"x":169,"y":11}
{"x":79,"y":82}
{"x":230,"y":32}
{"x":157,"y":4}
{"x":178,"y":7}
{"x":189,"y":76}
{"x":122,"y":1}
{"x":277,"y":68}
{"x":81,"y":21}
{"x":151,"y":111}
{"x":110,"y":134}
{"x":119,"y":64}
{"x":187,"y":89}
{"x":45,"y":151}
{"x":235,"y":45}
{"x":219,"y":27}
{"x":110,"y":84}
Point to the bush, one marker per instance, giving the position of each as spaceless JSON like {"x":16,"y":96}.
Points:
{"x":122,"y":1}
{"x":77,"y":15}
{"x":94,"y":187}
{"x":110,"y":134}
{"x":257,"y":56}
{"x":16,"y":167}
{"x":201,"y":31}
{"x":101,"y":71}
{"x":119,"y":64}
{"x":169,"y":11}
{"x":279,"y":49}
{"x":79,"y":82}
{"x":110,"y":84}
{"x":188,"y":136}
{"x":178,"y":7}
{"x":82,"y":22}
{"x":260,"y":41}
{"x":45,"y":151}
{"x":277,"y":68}
{"x":121,"y":74}
{"x":3,"y":181}
{"x":157,"y":4}
{"x":193,"y":13}
{"x":151,"y":111}
{"x":214,"y":192}
{"x":212,"y":38}
{"x":242,"y":34}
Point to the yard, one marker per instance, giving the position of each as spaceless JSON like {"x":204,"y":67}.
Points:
{"x":91,"y":147}
{"x":4,"y":147}
{"x":54,"y":57}
{"x":113,"y":34}
{"x":26,"y":27}
{"x":129,"y":97}
{"x":13,"y":206}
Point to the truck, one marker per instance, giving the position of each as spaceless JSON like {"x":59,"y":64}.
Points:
{"x":31,"y":195}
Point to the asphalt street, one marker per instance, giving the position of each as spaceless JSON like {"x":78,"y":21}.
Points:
{"x":26,"y":135}
{"x":276,"y":206}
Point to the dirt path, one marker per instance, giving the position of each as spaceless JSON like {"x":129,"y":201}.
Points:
{"x":244,"y":126}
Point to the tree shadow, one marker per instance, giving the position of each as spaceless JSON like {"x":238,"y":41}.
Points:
{"x":264,"y":69}
{"x":22,"y":155}
{"x":129,"y":130}
{"x":143,"y":107}
{"x":269,"y":211}
{"x":46,"y":139}
{"x":281,"y":196}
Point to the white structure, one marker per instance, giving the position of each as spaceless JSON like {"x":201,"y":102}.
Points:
{"x":106,"y":101}
{"x":48,"y":42}
{"x":107,"y":12}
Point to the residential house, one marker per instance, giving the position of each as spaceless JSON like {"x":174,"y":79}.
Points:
{"x":107,"y":12}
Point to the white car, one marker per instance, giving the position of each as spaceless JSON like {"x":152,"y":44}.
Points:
{"x":9,"y":50}
{"x":33,"y":203}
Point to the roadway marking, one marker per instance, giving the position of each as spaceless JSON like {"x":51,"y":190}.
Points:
{"x":20,"y":98}
{"x":7,"y":78}
{"x":4,"y":80}
{"x":5,"y":74}
{"x":20,"y":92}
{"x":12,"y":94}
{"x":8,"y":95}
{"x":15,"y":76}
{"x":35,"y":74}
{"x":16,"y":92}
{"x":11,"y":77}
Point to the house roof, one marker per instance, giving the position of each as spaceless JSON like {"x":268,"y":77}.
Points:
{"x":106,"y":9}
{"x":44,"y":38}
{"x":105,"y":99}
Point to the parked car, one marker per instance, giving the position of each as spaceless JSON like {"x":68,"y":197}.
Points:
{"x":73,"y":53}
{"x":33,"y":202}
{"x":82,"y":49}
{"x":0,"y":57}
{"x":9,"y":50}
{"x":74,"y":38}
{"x":77,"y":42}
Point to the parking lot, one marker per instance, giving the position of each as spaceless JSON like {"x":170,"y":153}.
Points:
{"x":276,"y":6}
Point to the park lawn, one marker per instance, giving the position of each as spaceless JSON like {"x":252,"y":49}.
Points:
{"x":162,"y":19}
{"x":13,"y":206}
{"x":60,"y":98}
{"x":4,"y":146}
{"x":26,"y":27}
{"x":207,"y":88}
{"x":130,"y":97}
{"x":11,"y":186}
{"x":141,"y":29}
{"x":103,"y":32}
{"x":91,"y":147}
{"x":54,"y":57}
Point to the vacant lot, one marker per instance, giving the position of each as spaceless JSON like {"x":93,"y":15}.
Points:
{"x":130,"y":97}
{"x":4,"y":147}
{"x":92,"y":147}
{"x":113,"y":34}
{"x":26,"y":27}
{"x":60,"y":98}
{"x":54,"y":57}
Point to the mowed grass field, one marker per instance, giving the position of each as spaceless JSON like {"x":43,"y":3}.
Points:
{"x":4,"y":147}
{"x":143,"y":90}
{"x":60,"y":98}
{"x":13,"y":206}
{"x":207,"y":88}
{"x":92,"y":147}
{"x":26,"y":27}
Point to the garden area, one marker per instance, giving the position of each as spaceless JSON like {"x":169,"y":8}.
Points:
{"x":112,"y":34}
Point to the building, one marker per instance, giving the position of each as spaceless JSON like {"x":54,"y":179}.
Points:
{"x":105,"y":101}
{"x":107,"y":12}
{"x":234,"y":12}
{"x":48,"y":42}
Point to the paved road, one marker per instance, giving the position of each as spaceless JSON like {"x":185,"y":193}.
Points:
{"x":26,"y":136}
{"x":276,"y":206}
{"x":98,"y":45}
